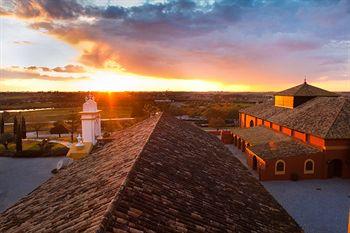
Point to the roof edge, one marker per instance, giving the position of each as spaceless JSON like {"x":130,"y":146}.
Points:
{"x":335,"y":119}
{"x":107,"y":216}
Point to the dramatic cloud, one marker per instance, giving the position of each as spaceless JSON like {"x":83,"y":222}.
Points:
{"x":70,"y":69}
{"x":65,"y":69}
{"x":243,"y":41}
{"x":32,"y":72}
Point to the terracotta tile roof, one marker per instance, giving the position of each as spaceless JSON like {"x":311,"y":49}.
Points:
{"x":282,"y":149}
{"x":259,"y":135}
{"x":326,"y":117}
{"x":77,"y":198}
{"x":306,"y":90}
{"x":162,"y":175}
{"x":269,"y":144}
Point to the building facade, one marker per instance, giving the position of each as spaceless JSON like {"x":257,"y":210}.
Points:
{"x":303,"y":134}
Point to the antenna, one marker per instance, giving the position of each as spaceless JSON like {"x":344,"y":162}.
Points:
{"x":305,"y":79}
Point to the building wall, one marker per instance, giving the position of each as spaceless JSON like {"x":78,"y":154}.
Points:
{"x":332,"y":150}
{"x":226,"y":137}
{"x":299,"y":135}
{"x":275,"y":127}
{"x":242,"y":120}
{"x":286,"y":131}
{"x":343,"y":156}
{"x":249,"y":119}
{"x":267,"y":124}
{"x":284,"y":101}
{"x":316,"y":141}
{"x":260,"y":165}
{"x":296,"y":165}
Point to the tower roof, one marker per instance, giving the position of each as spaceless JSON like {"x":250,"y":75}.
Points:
{"x":326,"y":117}
{"x":306,"y":90}
{"x":161,"y":175}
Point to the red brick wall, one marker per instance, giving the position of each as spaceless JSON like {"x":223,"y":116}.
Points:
{"x":286,"y":131}
{"x":343,"y":155}
{"x":267,"y":124}
{"x":337,"y":142}
{"x":295,"y":164}
{"x":259,"y":122}
{"x":226,"y":137}
{"x":261,"y":163}
{"x":248,"y":119}
{"x":316,"y":141}
{"x":300,"y":135}
{"x":241,"y":120}
{"x":275,"y":127}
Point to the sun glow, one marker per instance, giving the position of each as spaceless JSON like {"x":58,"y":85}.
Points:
{"x":117,"y":81}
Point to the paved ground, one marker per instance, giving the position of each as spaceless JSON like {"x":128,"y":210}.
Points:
{"x":319,"y":206}
{"x":19,"y":176}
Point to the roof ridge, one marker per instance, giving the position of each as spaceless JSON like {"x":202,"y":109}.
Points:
{"x":300,"y":86}
{"x":335,"y":118}
{"x":107,"y":216}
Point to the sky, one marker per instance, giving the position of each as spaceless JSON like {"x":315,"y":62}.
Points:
{"x":176,"y":45}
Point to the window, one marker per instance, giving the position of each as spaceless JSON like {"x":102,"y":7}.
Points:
{"x":309,"y":166}
{"x":280,"y":167}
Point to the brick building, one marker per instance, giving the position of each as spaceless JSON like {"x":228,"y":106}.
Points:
{"x":161,"y":175}
{"x":303,"y":134}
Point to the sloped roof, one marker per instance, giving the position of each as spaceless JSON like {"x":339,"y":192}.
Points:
{"x":259,"y":135}
{"x":161,"y":175}
{"x":326,"y":117}
{"x":269,"y":144}
{"x":306,"y":90}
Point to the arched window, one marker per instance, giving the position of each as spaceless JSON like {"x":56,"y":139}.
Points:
{"x":309,"y":166}
{"x":251,"y":123}
{"x":280,"y":167}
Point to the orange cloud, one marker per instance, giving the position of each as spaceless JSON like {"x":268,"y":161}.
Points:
{"x":227,"y":41}
{"x":65,"y":69}
{"x":33,"y":72}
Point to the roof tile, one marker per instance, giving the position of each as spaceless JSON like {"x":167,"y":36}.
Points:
{"x":161,"y":175}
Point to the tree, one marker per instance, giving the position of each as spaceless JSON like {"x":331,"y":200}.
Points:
{"x":6,"y":115}
{"x":59,"y":128}
{"x":2,"y":124}
{"x":73,"y":124}
{"x":216,"y":122}
{"x":24,"y":128}
{"x":6,"y":139}
{"x":15,"y":125}
{"x":37,"y":127}
{"x":18,"y":138}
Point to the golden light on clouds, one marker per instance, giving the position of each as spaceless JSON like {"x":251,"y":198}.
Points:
{"x":121,"y":81}
{"x":71,"y":46}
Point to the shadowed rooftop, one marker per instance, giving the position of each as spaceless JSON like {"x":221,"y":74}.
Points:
{"x":161,"y":175}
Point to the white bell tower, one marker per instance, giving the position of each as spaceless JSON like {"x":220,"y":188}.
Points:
{"x":90,"y":120}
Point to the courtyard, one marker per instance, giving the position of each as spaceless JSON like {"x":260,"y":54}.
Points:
{"x":20,"y":176}
{"x":319,"y":206}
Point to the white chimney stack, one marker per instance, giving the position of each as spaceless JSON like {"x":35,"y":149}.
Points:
{"x":90,"y":120}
